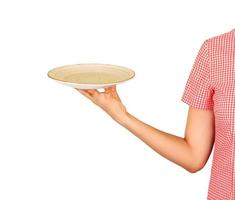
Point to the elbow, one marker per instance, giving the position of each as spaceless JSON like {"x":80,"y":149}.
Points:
{"x":193,"y":170}
{"x":195,"y":167}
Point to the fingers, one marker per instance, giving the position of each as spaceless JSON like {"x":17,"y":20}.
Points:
{"x":113,"y":91}
{"x":84,"y":93}
{"x":110,"y":88}
{"x":93,"y":92}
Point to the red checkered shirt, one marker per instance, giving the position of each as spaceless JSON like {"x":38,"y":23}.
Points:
{"x":211,"y":85}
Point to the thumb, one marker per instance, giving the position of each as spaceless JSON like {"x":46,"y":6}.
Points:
{"x":113,"y":91}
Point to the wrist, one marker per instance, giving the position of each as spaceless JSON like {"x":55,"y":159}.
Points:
{"x":124,"y":120}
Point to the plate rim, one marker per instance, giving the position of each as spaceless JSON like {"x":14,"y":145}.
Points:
{"x":96,"y":84}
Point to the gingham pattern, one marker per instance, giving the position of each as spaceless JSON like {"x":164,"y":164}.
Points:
{"x":211,"y":85}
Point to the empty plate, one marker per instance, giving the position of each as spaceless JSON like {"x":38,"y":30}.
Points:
{"x":91,"y":76}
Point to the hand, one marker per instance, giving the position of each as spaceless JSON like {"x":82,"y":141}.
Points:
{"x":108,"y":100}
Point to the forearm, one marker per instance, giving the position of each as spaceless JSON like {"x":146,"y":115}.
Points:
{"x":172,"y":147}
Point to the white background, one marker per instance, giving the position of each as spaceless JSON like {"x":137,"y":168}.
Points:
{"x":55,"y":143}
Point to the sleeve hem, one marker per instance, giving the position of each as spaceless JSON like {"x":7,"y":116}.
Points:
{"x":195,"y":105}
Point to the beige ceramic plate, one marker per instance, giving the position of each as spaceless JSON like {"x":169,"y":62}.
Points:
{"x":91,"y":76}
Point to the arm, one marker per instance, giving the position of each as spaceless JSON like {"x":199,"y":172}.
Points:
{"x":190,"y":152}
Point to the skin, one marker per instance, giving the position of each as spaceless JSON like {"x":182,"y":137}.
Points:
{"x":190,"y":152}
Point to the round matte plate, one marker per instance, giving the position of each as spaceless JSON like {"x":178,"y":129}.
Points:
{"x":91,"y":75}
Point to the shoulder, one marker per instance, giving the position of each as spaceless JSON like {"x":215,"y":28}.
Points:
{"x":220,"y":54}
{"x":222,"y":40}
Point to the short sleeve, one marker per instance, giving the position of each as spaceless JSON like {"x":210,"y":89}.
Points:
{"x":198,"y":92}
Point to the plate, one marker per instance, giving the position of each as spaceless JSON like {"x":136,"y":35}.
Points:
{"x":91,"y":75}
